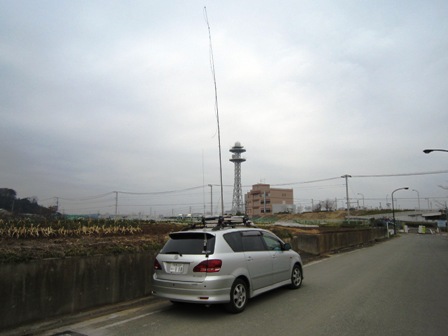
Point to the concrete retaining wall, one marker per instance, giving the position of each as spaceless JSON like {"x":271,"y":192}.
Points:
{"x":47,"y":288}
{"x":328,"y":241}
{"x":50,"y":287}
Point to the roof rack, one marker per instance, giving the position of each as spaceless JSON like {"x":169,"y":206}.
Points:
{"x":220,"y":222}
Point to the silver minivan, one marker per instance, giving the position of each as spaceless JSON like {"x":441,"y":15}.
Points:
{"x":224,"y":265}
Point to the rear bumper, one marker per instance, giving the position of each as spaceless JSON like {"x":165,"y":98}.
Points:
{"x":211,"y":290}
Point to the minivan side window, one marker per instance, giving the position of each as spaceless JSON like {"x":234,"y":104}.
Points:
{"x":244,"y":241}
{"x":272,"y":243}
{"x":252,"y":241}
{"x":234,"y":241}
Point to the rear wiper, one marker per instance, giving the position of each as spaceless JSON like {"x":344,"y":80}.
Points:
{"x":204,"y":247}
{"x":174,"y":252}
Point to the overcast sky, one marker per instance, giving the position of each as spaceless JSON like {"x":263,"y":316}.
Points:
{"x":104,"y":96}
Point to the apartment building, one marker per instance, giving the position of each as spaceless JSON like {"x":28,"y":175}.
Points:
{"x":263,"y":200}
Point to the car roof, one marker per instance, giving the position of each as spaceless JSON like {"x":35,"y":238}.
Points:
{"x":225,"y":229}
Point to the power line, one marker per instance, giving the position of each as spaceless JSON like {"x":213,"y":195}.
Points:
{"x":160,"y":192}
{"x":104,"y":200}
{"x":405,"y":174}
{"x":87,"y":198}
{"x":306,"y":182}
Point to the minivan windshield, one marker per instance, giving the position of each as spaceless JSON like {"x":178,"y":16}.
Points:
{"x":189,"y":243}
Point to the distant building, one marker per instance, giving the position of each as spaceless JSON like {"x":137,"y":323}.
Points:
{"x":263,"y":200}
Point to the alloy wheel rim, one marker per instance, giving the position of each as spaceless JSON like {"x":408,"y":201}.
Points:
{"x":239,"y":296}
{"x":297,"y":278}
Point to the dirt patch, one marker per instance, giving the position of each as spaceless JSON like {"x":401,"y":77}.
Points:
{"x":338,"y":215}
{"x":315,"y":215}
{"x":152,"y":238}
{"x":23,"y":250}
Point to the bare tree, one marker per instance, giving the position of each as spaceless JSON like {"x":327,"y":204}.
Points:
{"x":328,"y":204}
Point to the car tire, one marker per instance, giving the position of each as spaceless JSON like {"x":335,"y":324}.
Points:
{"x":238,"y":297}
{"x":177,"y":302}
{"x":296,"y":277}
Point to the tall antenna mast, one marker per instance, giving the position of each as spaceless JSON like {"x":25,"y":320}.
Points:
{"x":212,"y":64}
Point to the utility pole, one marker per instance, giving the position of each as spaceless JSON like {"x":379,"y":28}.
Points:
{"x":346,"y":176}
{"x":116,"y":204}
{"x":264,"y":202}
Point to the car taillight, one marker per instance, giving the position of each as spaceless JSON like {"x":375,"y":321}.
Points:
{"x":157,"y":265}
{"x":208,"y":266}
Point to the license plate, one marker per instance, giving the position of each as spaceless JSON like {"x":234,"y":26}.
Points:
{"x":176,"y":268}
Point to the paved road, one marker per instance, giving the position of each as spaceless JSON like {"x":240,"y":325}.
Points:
{"x":399,"y":287}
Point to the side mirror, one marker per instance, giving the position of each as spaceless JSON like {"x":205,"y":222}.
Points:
{"x":286,"y":246}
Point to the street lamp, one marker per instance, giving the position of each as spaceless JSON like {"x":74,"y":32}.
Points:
{"x":393,"y":209}
{"x":363,"y":206}
{"x":427,"y":151}
{"x":418,"y":197}
{"x":211,"y":199}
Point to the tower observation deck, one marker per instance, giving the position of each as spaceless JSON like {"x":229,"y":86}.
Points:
{"x":237,"y":201}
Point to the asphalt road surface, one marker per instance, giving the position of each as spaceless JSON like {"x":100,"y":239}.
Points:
{"x":398,"y":287}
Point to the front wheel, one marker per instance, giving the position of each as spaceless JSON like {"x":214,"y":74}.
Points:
{"x":296,"y":277}
{"x":238,"y":297}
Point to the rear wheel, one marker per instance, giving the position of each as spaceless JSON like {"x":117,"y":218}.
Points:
{"x":238,"y":297}
{"x":296,"y":277}
{"x":177,"y":302}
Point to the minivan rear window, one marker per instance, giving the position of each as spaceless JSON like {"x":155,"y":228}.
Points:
{"x":190,"y":243}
